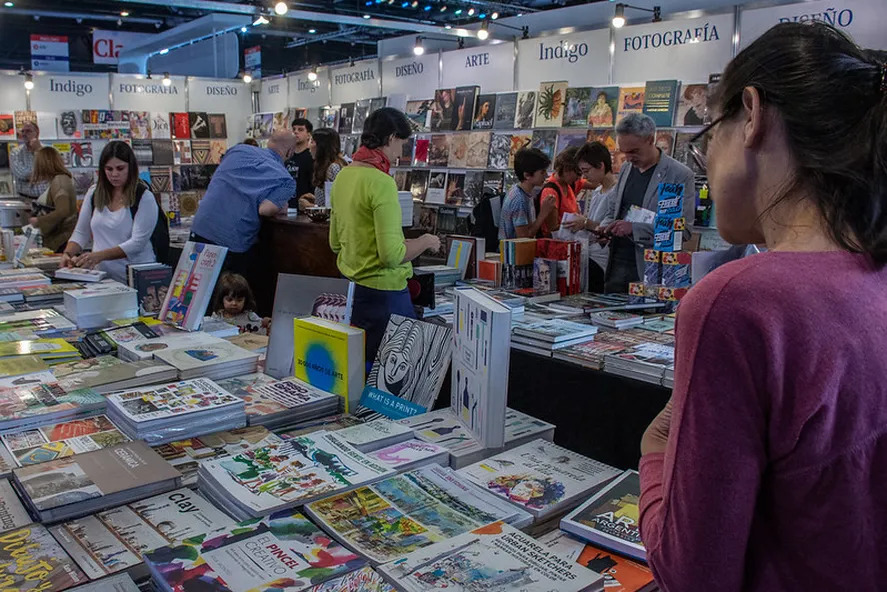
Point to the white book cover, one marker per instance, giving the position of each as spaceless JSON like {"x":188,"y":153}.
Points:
{"x":443,"y":428}
{"x":481,"y":354}
{"x":556,"y":330}
{"x":521,"y":425}
{"x":81,"y":275}
{"x":116,"y":583}
{"x":114,"y":540}
{"x":495,"y":557}
{"x":192,"y":285}
{"x":408,"y":452}
{"x":12,"y":513}
{"x":366,"y":434}
{"x":192,"y":357}
{"x":398,"y":515}
{"x":171,"y":400}
{"x":145,"y":350}
{"x":539,"y":476}
{"x":293,"y":472}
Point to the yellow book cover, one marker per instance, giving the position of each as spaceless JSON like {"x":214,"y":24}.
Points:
{"x":21,"y":365}
{"x":330,"y":356}
{"x":45,"y":348}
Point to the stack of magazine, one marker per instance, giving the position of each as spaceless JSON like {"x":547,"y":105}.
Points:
{"x":398,"y":515}
{"x":218,"y":360}
{"x":262,"y":480}
{"x":646,"y":362}
{"x":173,"y":411}
{"x":106,"y":374}
{"x":36,"y":399}
{"x":80,"y":485}
{"x":411,"y":454}
{"x":145,"y":349}
{"x":544,"y":337}
{"x":276,"y":403}
{"x":98,"y":304}
{"x":376,"y":434}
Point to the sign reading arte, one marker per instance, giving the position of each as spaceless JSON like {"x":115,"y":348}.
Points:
{"x":861,"y":19}
{"x":582,"y":59}
{"x":492,"y":67}
{"x":273,"y":96}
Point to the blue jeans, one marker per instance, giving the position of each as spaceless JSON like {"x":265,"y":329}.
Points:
{"x":371,"y":311}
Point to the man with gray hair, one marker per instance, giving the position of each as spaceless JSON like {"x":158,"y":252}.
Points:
{"x":630,"y":230}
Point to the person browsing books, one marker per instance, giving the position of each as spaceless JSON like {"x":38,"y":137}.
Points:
{"x":55,"y":211}
{"x":21,"y":162}
{"x":250,"y":183}
{"x":365,"y":228}
{"x":234,"y":303}
{"x":560,"y":186}
{"x":106,"y":219}
{"x":766,"y":470}
{"x":518,"y":217}
{"x":301,"y":163}
{"x":637,"y":194}
{"x":326,"y":148}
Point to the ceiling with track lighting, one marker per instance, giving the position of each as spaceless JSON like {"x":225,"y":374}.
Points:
{"x":314,"y":31}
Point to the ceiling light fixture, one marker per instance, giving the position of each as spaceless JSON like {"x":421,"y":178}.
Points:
{"x":8,"y":4}
{"x":29,"y":81}
{"x":484,"y":32}
{"x":404,"y":4}
{"x":167,"y":81}
{"x":164,"y":51}
{"x":243,"y":29}
{"x":312,"y":75}
{"x":470,"y":12}
{"x":312,"y":31}
{"x":124,"y":13}
{"x":458,"y":12}
{"x":619,"y":15}
{"x":281,"y":8}
{"x":443,"y":8}
{"x":525,"y":30}
{"x":494,"y":16}
{"x":427,"y":7}
{"x":482,"y":16}
{"x":366,"y":16}
{"x":247,"y":77}
{"x":260,"y":20}
{"x":418,"y":49}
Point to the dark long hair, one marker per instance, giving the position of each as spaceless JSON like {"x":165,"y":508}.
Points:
{"x":103,"y":189}
{"x":382,"y":124}
{"x":828,"y":92}
{"x":328,"y":151}
{"x":235,"y":286}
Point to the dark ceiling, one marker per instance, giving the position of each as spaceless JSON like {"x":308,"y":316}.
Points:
{"x":285,"y":41}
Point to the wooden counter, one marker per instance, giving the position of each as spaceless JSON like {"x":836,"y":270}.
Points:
{"x":290,"y":244}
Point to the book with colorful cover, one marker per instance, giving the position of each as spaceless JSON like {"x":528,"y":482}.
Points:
{"x":443,"y":428}
{"x":330,"y":356}
{"x":631,"y":100}
{"x":32,"y":561}
{"x":114,"y":540}
{"x":408,"y":453}
{"x":63,"y":439}
{"x":47,"y":349}
{"x":171,"y":400}
{"x":277,"y":396}
{"x":192,"y":286}
{"x":398,"y":515}
{"x":540,"y":477}
{"x":489,"y":558}
{"x":281,"y":552}
{"x":364,"y":579}
{"x":518,"y":141}
{"x":30,"y":404}
{"x":611,"y":518}
{"x":290,"y":473}
{"x":376,"y":402}
{"x":485,"y":112}
{"x":193,"y":361}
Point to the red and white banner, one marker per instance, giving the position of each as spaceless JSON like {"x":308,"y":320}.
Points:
{"x":107,"y":45}
{"x":49,"y":52}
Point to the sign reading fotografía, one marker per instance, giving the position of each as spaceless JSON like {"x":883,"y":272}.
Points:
{"x":353,"y":83}
{"x":138,"y":93}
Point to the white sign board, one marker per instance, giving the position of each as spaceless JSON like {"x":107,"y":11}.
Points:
{"x":306,"y":93}
{"x":687,"y":49}
{"x":490,"y":66}
{"x":12,"y":93}
{"x":582,"y":59}
{"x":54,"y":92}
{"x":274,"y":95}
{"x":107,"y":45}
{"x":417,"y":77}
{"x":861,"y":19}
{"x":353,"y":83}
{"x":136,"y":93}
{"x":50,"y":53}
{"x":231,"y":97}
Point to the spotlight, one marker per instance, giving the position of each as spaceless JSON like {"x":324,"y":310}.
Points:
{"x":619,"y":16}
{"x":366,"y":16}
{"x":443,"y":8}
{"x":470,"y":12}
{"x":482,"y":16}
{"x":281,"y":8}
{"x":167,"y":81}
{"x":243,"y":29}
{"x":427,"y":7}
{"x":404,"y":4}
{"x":494,"y":16}
{"x":415,"y":3}
{"x":247,"y":77}
{"x":484,"y":32}
{"x":418,"y":49}
{"x":448,"y":27}
{"x":312,"y":31}
{"x":8,"y":4}
{"x":29,"y":81}
{"x":164,"y":51}
{"x":312,"y":75}
{"x":260,"y":20}
{"x":458,"y":12}
{"x":124,"y":13}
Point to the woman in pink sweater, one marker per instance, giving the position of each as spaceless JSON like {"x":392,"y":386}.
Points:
{"x":767,"y":471}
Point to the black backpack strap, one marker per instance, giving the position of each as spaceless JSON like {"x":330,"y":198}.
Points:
{"x":141,"y":188}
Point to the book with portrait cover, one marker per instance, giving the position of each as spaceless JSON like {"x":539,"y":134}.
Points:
{"x":486,"y":112}
{"x":218,"y":126}
{"x":443,"y":110}
{"x":692,"y":106}
{"x":465,"y":102}
{"x":576,"y":106}
{"x":506,"y":107}
{"x":605,"y":104}
{"x":439,"y":150}
{"x":140,"y":125}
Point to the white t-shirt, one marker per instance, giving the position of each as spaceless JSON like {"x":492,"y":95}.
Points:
{"x":105,"y":229}
{"x":596,"y":207}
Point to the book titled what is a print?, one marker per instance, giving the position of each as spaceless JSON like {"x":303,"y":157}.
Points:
{"x":192,"y":285}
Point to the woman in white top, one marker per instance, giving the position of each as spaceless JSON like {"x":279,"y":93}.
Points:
{"x":105,"y":219}
{"x":326,"y":149}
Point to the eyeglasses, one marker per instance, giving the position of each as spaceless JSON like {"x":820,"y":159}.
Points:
{"x":696,"y":151}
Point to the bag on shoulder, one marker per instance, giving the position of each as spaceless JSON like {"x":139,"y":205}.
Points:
{"x":160,"y":235}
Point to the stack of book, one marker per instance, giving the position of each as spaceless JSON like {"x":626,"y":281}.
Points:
{"x":564,"y":258}
{"x":411,"y":454}
{"x":48,"y":295}
{"x":495,"y":554}
{"x":169,"y":412}
{"x":106,"y":341}
{"x":646,"y":362}
{"x":616,"y":320}
{"x":115,"y":540}
{"x":219,"y":328}
{"x":545,"y":337}
{"x":101,"y":303}
{"x":80,"y":485}
{"x":30,"y":559}
{"x":37,"y":399}
{"x":521,"y":428}
{"x":218,"y":360}
{"x":106,"y":374}
{"x":19,"y":281}
{"x":297,"y":471}
{"x":540,"y":477}
{"x":376,"y":434}
{"x":151,"y":283}
{"x":400,"y":514}
{"x":52,"y":351}
{"x":284,"y":551}
{"x":610,"y":517}
{"x":444,"y":275}
{"x":79,"y":274}
{"x":276,"y":403}
{"x":517,"y":256}
{"x":33,"y":324}
{"x":592,"y":353}
{"x":145,"y":349}
{"x":187,"y":454}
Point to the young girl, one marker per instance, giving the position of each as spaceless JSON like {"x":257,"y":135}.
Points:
{"x":234,"y":303}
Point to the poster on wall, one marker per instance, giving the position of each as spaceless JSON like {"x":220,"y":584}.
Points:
{"x":491,"y":65}
{"x":686,"y":49}
{"x":863,"y":20}
{"x":582,"y":59}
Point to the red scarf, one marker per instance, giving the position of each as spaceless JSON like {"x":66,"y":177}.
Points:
{"x":373,"y":157}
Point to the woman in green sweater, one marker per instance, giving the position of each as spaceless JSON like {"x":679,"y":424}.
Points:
{"x":365,"y":228}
